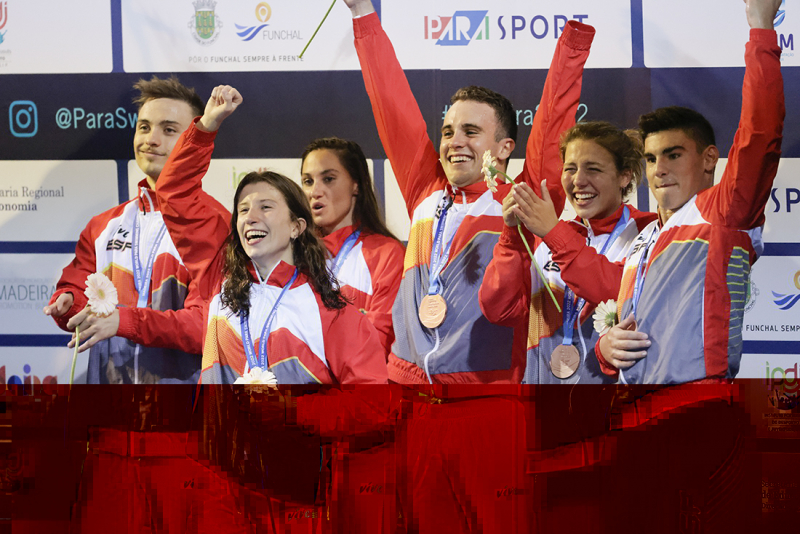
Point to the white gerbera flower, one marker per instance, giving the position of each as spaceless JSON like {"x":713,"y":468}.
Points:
{"x":605,"y":316}
{"x":256,"y":375}
{"x":102,"y":294}
{"x":489,"y":171}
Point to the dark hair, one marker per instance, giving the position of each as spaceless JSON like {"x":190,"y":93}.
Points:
{"x":366,"y":213}
{"x":625,"y":146}
{"x":167,"y":88}
{"x":687,"y":120}
{"x":307,"y":249}
{"x":503,"y":109}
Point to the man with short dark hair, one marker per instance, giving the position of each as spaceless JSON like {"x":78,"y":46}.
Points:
{"x":462,"y":466}
{"x":136,"y":464}
{"x":684,"y":285}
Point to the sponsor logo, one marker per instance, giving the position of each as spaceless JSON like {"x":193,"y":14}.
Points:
{"x":752,"y":294}
{"x":27,"y":380}
{"x":787,"y":301}
{"x":263,"y":14}
{"x":780,"y":15}
{"x":782,"y":387}
{"x":23,"y":118}
{"x":205,"y":24}
{"x":784,"y":200}
{"x":370,"y":487}
{"x":3,"y":20}
{"x":458,"y":29}
{"x":463,"y":27}
{"x":75,"y":118}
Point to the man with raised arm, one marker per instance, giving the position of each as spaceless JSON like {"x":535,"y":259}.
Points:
{"x":441,"y":334}
{"x":683,"y":289}
{"x":462,"y":467}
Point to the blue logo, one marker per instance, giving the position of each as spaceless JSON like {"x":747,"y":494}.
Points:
{"x":785,"y":302}
{"x":263,"y":14}
{"x":780,"y":15}
{"x":23,"y":118}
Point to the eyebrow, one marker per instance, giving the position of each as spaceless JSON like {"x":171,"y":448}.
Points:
{"x":464,"y":126}
{"x":667,"y":150}
{"x":166,"y":121}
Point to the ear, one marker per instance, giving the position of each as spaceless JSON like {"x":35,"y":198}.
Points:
{"x":299,"y":228}
{"x":505,"y":148}
{"x":625,"y":179}
{"x":710,"y":158}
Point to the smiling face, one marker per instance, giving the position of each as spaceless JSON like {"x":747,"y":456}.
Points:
{"x":330,"y":190}
{"x":676,"y":171}
{"x":470,"y":129}
{"x":591,"y":180}
{"x":160,"y":123}
{"x":265,"y":226}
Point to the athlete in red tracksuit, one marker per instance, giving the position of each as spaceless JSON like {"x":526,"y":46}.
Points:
{"x":684,"y":285}
{"x":308,"y":343}
{"x":136,"y":463}
{"x":461,"y":457}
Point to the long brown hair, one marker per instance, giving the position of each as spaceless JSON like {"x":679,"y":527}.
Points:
{"x":308,"y":250}
{"x":366,"y":213}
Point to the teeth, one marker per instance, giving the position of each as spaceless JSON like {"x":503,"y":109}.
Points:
{"x":459,"y":159}
{"x":255,"y":234}
{"x":584,"y":196}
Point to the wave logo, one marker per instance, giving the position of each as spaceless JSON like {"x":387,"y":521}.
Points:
{"x":263,"y":14}
{"x":458,"y":30}
{"x":3,"y":19}
{"x":785,"y":302}
{"x":780,"y":15}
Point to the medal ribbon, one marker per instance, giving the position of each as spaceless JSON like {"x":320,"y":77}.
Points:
{"x":348,"y":245}
{"x":640,"y":272}
{"x":439,"y":253}
{"x":572,"y":309}
{"x":142,"y":275}
{"x":247,"y":339}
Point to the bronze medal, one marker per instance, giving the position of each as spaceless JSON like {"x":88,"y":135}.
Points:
{"x":432,"y":310}
{"x":564,"y":361}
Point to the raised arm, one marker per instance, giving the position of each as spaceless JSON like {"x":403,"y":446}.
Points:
{"x":743,"y":191}
{"x":556,"y":112}
{"x":401,"y":127}
{"x":197,"y":223}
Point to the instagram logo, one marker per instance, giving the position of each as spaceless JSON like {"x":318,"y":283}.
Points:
{"x":23,"y":118}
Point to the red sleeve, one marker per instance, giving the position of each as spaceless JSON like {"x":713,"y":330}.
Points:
{"x":740,"y":198}
{"x":556,"y":111}
{"x":197,"y":223}
{"x":386,"y":273}
{"x":588,"y":273}
{"x":73,"y":277}
{"x":505,"y":293}
{"x":352,"y":348}
{"x":171,"y":329}
{"x":401,"y":127}
{"x":605,"y":367}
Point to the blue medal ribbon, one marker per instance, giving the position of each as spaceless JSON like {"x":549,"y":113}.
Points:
{"x":640,"y":273}
{"x":573,"y":309}
{"x":347,"y":246}
{"x":439,"y":253}
{"x":143,"y":274}
{"x":247,"y":339}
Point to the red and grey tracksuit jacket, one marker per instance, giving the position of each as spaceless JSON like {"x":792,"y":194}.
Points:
{"x":467,"y":347}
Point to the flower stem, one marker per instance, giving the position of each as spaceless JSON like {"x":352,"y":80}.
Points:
{"x":538,"y":270}
{"x":75,"y":354}
{"x":318,"y":27}
{"x":530,"y":252}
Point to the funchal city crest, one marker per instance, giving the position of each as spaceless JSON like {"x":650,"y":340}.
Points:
{"x":205,"y":24}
